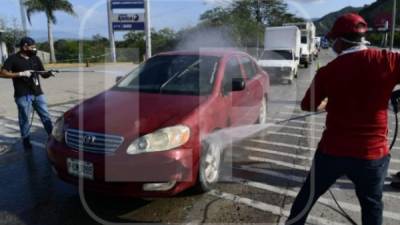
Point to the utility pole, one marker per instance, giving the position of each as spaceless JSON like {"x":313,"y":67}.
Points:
{"x":258,"y":18}
{"x":111,"y":33}
{"x":23,"y":16}
{"x":148,"y":29}
{"x":393,"y":24}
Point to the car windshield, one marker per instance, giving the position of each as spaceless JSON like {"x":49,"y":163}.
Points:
{"x":174,"y":74}
{"x":277,"y":55}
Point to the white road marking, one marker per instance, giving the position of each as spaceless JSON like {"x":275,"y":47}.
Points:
{"x":295,"y":156}
{"x":276,"y":210}
{"x":282,"y":144}
{"x":38,"y":144}
{"x":279,"y":119}
{"x":36,"y":124}
{"x":300,"y":179}
{"x":282,"y":191}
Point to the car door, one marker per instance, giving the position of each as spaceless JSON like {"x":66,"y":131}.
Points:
{"x":236,"y":101}
{"x":255,"y":89}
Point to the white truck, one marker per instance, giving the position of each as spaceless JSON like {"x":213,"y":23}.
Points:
{"x":308,"y":46}
{"x":281,"y":56}
{"x":3,"y":49}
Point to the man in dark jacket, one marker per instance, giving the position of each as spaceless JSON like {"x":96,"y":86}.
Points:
{"x":358,"y":85}
{"x":28,"y":93}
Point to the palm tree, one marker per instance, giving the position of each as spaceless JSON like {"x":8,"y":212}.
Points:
{"x":48,"y":7}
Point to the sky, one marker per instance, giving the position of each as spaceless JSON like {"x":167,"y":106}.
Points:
{"x":175,"y":14}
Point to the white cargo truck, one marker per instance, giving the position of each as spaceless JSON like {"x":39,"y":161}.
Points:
{"x":3,"y":49}
{"x":281,"y":56}
{"x":308,"y":46}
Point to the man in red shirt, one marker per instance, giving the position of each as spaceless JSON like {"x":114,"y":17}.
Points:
{"x":358,"y":85}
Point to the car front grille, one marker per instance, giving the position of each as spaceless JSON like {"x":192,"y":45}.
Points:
{"x":92,"y":142}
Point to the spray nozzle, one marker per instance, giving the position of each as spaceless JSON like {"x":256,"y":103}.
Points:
{"x":395,"y":99}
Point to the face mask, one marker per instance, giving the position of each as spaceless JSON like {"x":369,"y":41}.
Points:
{"x":31,"y":53}
{"x":333,"y":49}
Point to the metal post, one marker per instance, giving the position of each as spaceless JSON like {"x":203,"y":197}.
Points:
{"x":148,"y":29}
{"x":23,"y":16}
{"x":111,"y":32}
{"x":393,"y":24}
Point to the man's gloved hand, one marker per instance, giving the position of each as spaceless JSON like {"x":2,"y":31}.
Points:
{"x":50,"y":73}
{"x":26,"y":73}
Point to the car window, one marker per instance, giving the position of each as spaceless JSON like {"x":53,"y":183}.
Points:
{"x":249,"y":67}
{"x":232,"y":70}
{"x":174,"y":74}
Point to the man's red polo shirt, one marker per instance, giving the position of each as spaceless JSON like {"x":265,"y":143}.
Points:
{"x":358,"y":86}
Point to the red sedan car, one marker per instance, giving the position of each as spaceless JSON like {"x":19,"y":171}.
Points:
{"x":144,"y":137}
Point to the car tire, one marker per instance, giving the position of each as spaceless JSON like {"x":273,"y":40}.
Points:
{"x":262,"y":117}
{"x":210,"y":167}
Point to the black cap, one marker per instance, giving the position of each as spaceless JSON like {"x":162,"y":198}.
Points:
{"x":26,"y":41}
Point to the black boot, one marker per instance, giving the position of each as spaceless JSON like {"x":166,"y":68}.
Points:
{"x":27,"y":143}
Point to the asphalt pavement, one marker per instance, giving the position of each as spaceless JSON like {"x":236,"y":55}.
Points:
{"x":261,"y":174}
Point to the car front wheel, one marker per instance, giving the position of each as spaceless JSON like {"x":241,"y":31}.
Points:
{"x":210,"y":167}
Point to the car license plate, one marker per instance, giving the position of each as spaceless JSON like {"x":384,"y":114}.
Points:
{"x":80,"y":168}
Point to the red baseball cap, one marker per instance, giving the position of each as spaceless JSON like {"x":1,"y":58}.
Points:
{"x":350,"y":23}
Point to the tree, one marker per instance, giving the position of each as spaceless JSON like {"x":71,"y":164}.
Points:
{"x":49,"y":7}
{"x":12,"y":35}
{"x":247,"y":19}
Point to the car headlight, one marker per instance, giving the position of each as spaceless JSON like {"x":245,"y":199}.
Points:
{"x":58,"y":129}
{"x":161,"y":140}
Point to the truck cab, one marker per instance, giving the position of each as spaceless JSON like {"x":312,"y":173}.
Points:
{"x":280,"y":63}
{"x":281,"y":56}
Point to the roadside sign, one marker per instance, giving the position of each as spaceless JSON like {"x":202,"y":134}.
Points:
{"x":127,"y":4}
{"x":128,"y":26}
{"x":128,"y":18}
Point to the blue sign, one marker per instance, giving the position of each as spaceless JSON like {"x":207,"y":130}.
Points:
{"x":128,"y":26}
{"x":127,"y":4}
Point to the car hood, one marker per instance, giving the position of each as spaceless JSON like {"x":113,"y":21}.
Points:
{"x":276,"y":63}
{"x":130,"y":114}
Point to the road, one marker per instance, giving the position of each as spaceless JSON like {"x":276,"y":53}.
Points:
{"x":261,"y":174}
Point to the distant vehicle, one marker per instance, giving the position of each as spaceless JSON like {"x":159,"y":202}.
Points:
{"x":308,"y":49}
{"x":3,"y":49}
{"x":144,"y":137}
{"x":317,"y":42}
{"x":324,"y":43}
{"x":281,"y":56}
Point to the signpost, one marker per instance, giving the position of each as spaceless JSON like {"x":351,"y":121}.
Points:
{"x":127,"y":4}
{"x":129,"y":21}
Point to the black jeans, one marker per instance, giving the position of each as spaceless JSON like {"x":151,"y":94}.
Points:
{"x":368,"y":177}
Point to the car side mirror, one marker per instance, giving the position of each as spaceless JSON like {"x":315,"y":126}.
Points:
{"x":237,"y":84}
{"x":118,"y":79}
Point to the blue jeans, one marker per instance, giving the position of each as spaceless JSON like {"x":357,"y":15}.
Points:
{"x":368,"y":177}
{"x":25,"y":106}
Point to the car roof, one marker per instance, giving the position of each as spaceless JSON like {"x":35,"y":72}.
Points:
{"x":206,"y":52}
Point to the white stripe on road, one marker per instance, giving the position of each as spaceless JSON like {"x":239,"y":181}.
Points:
{"x":297,"y":179}
{"x":36,"y":124}
{"x":393,"y":160}
{"x":298,"y":128}
{"x":281,"y":144}
{"x":279,"y":163}
{"x":291,"y":165}
{"x":295,"y":156}
{"x":38,"y":144}
{"x":276,"y":210}
{"x":281,"y":191}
